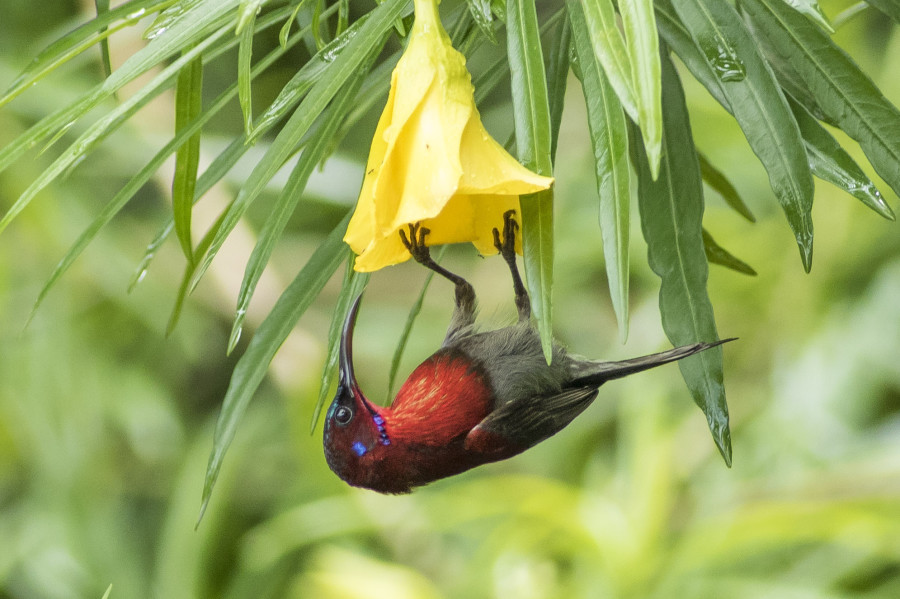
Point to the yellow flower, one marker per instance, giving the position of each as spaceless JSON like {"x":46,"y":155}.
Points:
{"x":431,"y":160}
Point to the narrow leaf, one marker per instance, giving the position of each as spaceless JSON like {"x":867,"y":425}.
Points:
{"x":188,"y":106}
{"x":286,"y":28}
{"x":247,"y":12}
{"x":245,"y":58}
{"x":483,"y":17}
{"x":716,"y":254}
{"x":643,"y":53}
{"x":758,"y":106}
{"x":830,"y":162}
{"x":531,"y":113}
{"x":343,"y":17}
{"x":79,"y":40}
{"x":102,"y":6}
{"x":719,"y":182}
{"x":842,"y":90}
{"x":354,"y":283}
{"x":811,"y":9}
{"x":339,"y":71}
{"x":889,"y":7}
{"x":609,"y":47}
{"x":609,"y":139}
{"x":292,"y":192}
{"x":671,"y":210}
{"x":557,"y":76}
{"x":253,"y":365}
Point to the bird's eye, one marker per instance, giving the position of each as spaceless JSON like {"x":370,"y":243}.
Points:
{"x":343,"y":415}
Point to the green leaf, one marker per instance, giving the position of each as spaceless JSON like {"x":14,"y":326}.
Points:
{"x":671,"y":210}
{"x":811,"y":9}
{"x":609,"y":139}
{"x":889,"y":7}
{"x":247,"y":12}
{"x":245,"y":58}
{"x":609,"y":48}
{"x":483,"y":17}
{"x":102,"y":6}
{"x":286,"y":28}
{"x":188,"y":106}
{"x":643,"y":52}
{"x":531,"y":112}
{"x":843,"y":92}
{"x":830,"y":162}
{"x":557,"y":76}
{"x":343,"y":17}
{"x":719,"y":182}
{"x":716,"y":254}
{"x":339,"y":71}
{"x":292,"y":192}
{"x":410,"y":320}
{"x":79,"y":40}
{"x":758,"y":106}
{"x":352,"y":287}
{"x":253,"y":365}
{"x":104,"y":126}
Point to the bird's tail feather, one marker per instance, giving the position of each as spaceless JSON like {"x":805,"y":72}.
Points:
{"x":596,"y":373}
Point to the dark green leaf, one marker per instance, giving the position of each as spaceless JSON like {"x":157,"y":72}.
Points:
{"x":830,"y":162}
{"x":557,"y":76}
{"x":533,"y":140}
{"x":292,"y":192}
{"x":483,"y":17}
{"x":354,"y":283}
{"x":811,"y":9}
{"x":253,"y":365}
{"x":889,"y":7}
{"x":843,"y":92}
{"x":715,"y":254}
{"x":717,"y":180}
{"x":671,"y":210}
{"x":758,"y":106}
{"x":339,"y":71}
{"x":188,"y":106}
{"x":609,"y":139}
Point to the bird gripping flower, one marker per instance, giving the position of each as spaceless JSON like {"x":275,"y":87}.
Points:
{"x":432,"y":161}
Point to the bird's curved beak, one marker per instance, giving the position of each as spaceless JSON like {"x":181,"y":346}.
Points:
{"x":347,"y":376}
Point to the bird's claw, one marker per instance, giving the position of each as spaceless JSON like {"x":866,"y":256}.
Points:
{"x":507,"y":245}
{"x":415,"y":242}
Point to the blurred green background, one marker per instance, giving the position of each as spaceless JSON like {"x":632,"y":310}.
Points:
{"x":106,"y":424}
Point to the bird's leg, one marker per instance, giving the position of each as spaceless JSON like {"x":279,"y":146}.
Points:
{"x":464,"y":314}
{"x":507,"y":248}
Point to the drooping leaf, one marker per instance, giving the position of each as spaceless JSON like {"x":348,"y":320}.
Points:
{"x":716,"y":254}
{"x":483,"y":17}
{"x":339,"y":71}
{"x":188,"y":106}
{"x":353,"y":285}
{"x":557,"y":76}
{"x":293,"y":190}
{"x":889,"y":7}
{"x":610,"y":50}
{"x":643,"y":52}
{"x":102,"y":6}
{"x":609,"y":139}
{"x":830,"y":162}
{"x":759,"y":107}
{"x":80,"y":39}
{"x":531,"y":113}
{"x":671,"y":211}
{"x":719,"y":182}
{"x":811,"y":9}
{"x":253,"y":365}
{"x":843,"y":92}
{"x":245,"y":29}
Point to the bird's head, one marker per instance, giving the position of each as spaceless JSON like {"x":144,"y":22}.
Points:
{"x":355,"y":429}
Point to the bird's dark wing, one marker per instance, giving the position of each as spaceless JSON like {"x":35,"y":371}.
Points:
{"x":518,"y":425}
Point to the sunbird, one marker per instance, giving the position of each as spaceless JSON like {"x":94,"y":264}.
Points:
{"x":484,"y":396}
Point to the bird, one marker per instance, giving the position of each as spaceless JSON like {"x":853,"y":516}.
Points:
{"x":482,"y":397}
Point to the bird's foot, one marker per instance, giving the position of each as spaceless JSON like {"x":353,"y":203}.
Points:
{"x":507,"y":244}
{"x":415,"y":243}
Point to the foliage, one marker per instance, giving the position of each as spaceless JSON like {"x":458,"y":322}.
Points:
{"x":647,"y":528}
